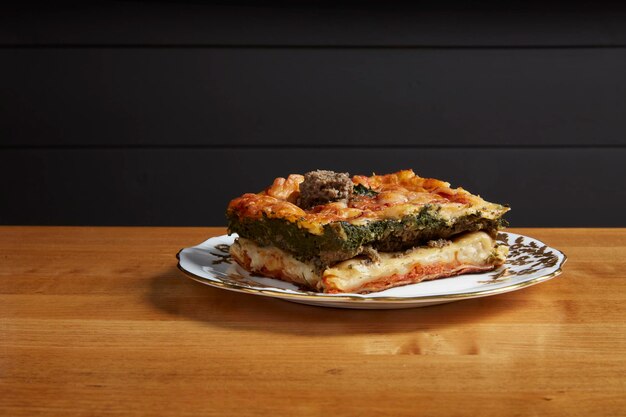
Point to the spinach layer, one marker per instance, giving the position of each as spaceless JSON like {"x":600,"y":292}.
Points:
{"x":342,"y":240}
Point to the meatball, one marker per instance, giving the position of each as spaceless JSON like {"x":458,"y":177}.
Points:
{"x":321,"y":187}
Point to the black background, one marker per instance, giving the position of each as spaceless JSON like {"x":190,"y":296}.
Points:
{"x":158,"y":113}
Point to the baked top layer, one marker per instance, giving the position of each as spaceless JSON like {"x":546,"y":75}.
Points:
{"x":378,"y":197}
{"x":381,"y":213}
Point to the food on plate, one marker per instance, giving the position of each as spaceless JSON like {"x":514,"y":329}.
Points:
{"x":331,"y":233}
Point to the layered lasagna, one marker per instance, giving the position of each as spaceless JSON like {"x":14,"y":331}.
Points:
{"x":332,"y":233}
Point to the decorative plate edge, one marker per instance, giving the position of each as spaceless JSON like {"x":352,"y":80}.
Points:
{"x":391,"y":299}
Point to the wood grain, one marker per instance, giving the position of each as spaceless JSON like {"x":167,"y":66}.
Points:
{"x":98,"y":321}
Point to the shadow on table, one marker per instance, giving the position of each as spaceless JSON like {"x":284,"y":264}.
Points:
{"x":176,"y":294}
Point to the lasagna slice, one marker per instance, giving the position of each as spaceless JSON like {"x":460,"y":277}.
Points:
{"x":328,"y":232}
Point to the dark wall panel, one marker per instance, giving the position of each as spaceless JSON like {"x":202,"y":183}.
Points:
{"x":545,"y":187}
{"x":257,"y":96}
{"x":297,"y":23}
{"x":158,"y":113}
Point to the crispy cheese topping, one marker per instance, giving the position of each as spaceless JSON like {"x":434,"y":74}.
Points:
{"x":395,"y":196}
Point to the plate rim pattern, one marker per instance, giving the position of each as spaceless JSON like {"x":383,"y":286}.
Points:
{"x":332,"y":298}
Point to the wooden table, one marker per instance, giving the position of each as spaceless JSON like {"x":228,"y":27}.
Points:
{"x":98,"y":321}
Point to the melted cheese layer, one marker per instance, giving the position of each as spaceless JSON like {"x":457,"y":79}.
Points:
{"x":471,"y":252}
{"x":272,"y":262}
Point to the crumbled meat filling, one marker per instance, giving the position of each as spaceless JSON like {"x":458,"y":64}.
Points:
{"x":321,"y":187}
{"x":370,"y":253}
{"x":439,"y":243}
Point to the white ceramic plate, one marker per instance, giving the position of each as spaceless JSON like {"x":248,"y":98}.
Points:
{"x":529,"y":262}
